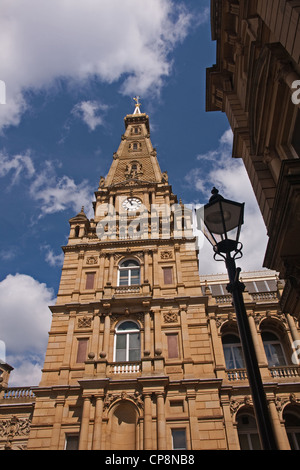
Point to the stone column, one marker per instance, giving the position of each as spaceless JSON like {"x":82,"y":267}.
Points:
{"x":65,"y":367}
{"x":292,"y":326}
{"x":259,"y":349}
{"x":98,"y":424}
{"x":85,"y":422}
{"x":101,"y":270}
{"x":230,"y":429}
{"x":288,"y":74}
{"x":146,"y":266}
{"x":191,"y":399}
{"x":96,"y":331}
{"x":257,"y":344}
{"x":161,"y":422}
{"x":106,"y":334}
{"x":178,"y":264}
{"x":111,"y":268}
{"x":59,"y":408}
{"x":155,"y":280}
{"x":147,"y":342}
{"x":185,"y":334}
{"x":280,"y":434}
{"x":147,"y":421}
{"x":157,"y":331}
{"x":78,"y":276}
{"x":217,"y":344}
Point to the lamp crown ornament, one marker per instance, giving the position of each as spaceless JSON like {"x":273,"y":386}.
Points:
{"x":215,"y":195}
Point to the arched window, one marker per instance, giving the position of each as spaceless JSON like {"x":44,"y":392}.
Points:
{"x":127,"y":342}
{"x":247,"y":431}
{"x":77,"y":229}
{"x":129,"y":273}
{"x":292,"y":426}
{"x":233,"y":352}
{"x":273,"y":349}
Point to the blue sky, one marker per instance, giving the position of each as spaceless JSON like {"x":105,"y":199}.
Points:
{"x":71,"y":75}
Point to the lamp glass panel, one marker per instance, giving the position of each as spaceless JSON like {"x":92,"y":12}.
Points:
{"x":223,"y":216}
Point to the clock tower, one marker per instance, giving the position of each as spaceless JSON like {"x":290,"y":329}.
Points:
{"x":129,"y":364}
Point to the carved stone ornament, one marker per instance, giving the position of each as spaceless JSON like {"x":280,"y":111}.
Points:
{"x":236,"y":404}
{"x":170,"y":317}
{"x":14,"y":426}
{"x":84,"y":322}
{"x":134,"y":170}
{"x":166,"y":254}
{"x":137,"y":398}
{"x":92,"y":260}
{"x":101,"y":182}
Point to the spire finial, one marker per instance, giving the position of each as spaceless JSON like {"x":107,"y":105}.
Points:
{"x":137,"y":105}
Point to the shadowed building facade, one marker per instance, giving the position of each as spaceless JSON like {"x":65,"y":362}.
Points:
{"x":256,"y":82}
{"x":143,"y":353}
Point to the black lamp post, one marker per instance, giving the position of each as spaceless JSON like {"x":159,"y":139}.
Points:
{"x":220,"y":220}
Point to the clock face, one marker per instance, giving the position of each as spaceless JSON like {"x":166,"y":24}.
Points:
{"x":131,"y":204}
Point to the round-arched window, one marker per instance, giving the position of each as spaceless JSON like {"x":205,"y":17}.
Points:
{"x":129,"y":273}
{"x":233,"y":352}
{"x":292,"y":426}
{"x":247,"y":431}
{"x":127,"y":342}
{"x":273,"y":349}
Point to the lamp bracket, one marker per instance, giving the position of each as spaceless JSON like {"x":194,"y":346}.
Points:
{"x":236,"y":255}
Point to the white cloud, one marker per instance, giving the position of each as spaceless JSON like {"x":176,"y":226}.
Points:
{"x":89,"y":112}
{"x":17,"y":165}
{"x":53,"y":193}
{"x":51,"y":258}
{"x":8,"y":254}
{"x":57,"y":194}
{"x":229,"y":176}
{"x":129,"y":40}
{"x":25,"y":322}
{"x":27,"y":370}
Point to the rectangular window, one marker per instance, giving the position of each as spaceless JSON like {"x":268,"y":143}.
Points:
{"x":72,"y":442}
{"x":168,"y":275}
{"x":121,"y":348}
{"x":90,"y":279}
{"x":179,"y":439}
{"x":81,"y":350}
{"x":172,"y":346}
{"x":124,"y":278}
{"x":135,"y":277}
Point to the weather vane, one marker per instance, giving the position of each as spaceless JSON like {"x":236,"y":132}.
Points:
{"x":137,"y":104}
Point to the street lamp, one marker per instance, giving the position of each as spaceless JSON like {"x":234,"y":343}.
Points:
{"x":220,"y":220}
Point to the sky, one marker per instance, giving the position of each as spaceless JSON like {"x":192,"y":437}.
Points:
{"x":71,"y":70}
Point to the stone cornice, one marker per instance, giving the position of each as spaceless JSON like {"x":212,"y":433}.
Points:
{"x":125,"y":243}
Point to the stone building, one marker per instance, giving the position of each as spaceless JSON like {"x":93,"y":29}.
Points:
{"x":143,"y":354}
{"x":256,"y":82}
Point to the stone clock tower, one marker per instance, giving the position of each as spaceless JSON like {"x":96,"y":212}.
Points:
{"x":129,"y":363}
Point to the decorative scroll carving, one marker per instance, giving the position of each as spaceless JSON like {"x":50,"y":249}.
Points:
{"x":14,"y":427}
{"x":137,"y":398}
{"x":236,"y":404}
